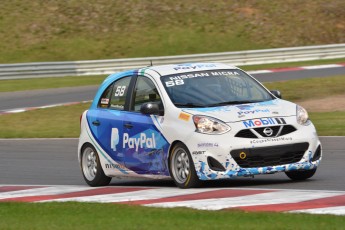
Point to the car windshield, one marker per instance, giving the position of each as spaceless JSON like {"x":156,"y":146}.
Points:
{"x":213,"y":88}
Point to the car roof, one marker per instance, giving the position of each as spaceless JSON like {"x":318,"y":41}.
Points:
{"x":187,"y":67}
{"x":164,"y":70}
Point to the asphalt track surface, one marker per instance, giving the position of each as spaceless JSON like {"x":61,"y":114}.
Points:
{"x":36,"y":98}
{"x":54,"y":162}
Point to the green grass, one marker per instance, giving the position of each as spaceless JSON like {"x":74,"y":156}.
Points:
{"x":53,"y":122}
{"x":86,"y":30}
{"x":114,"y":216}
{"x":47,"y":83}
{"x":329,"y":123}
{"x":309,"y":88}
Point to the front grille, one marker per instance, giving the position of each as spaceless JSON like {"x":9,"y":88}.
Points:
{"x":275,"y":130}
{"x":246,"y":133}
{"x":269,"y":156}
{"x":285,"y":129}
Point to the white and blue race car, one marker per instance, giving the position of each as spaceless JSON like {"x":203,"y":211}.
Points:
{"x":193,"y":122}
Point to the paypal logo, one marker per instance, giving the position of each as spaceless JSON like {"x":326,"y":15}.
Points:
{"x":194,"y":66}
{"x":114,"y":140}
{"x":144,"y":141}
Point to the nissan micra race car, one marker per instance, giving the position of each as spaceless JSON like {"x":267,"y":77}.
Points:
{"x":193,"y":122}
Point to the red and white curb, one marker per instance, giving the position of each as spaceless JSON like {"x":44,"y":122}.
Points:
{"x":328,"y":66}
{"x":268,"y":200}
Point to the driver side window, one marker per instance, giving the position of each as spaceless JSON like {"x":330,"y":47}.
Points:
{"x":145,"y":91}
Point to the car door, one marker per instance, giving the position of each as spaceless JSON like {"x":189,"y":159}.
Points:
{"x":144,"y":144}
{"x":106,"y":122}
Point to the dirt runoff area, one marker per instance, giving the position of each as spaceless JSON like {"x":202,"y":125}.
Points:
{"x":326,"y":104}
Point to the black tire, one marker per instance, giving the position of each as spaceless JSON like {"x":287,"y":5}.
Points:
{"x":181,"y":167}
{"x":301,"y":175}
{"x":91,"y":167}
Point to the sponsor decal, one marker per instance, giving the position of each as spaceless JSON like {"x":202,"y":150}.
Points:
{"x":179,"y":79}
{"x":198,"y":152}
{"x":115,"y":166}
{"x":263,"y":122}
{"x":143,"y":141}
{"x":253,"y":111}
{"x":207,"y":145}
{"x":245,"y":107}
{"x":225,"y":73}
{"x":193,"y":66}
{"x":270,"y":140}
{"x":184,"y":116}
{"x":105,"y":101}
{"x":114,"y":140}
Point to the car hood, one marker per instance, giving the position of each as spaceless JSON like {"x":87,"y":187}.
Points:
{"x":234,"y":113}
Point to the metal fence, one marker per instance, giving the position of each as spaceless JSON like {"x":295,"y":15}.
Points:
{"x":240,"y":58}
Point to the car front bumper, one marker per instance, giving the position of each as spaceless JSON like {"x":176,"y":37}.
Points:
{"x":226,"y":156}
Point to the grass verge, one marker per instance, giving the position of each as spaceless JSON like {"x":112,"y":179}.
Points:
{"x":48,"y":83}
{"x":114,"y":216}
{"x":309,"y":88}
{"x":74,"y":81}
{"x":329,"y":123}
{"x":59,"y":122}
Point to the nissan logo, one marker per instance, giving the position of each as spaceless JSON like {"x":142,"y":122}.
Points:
{"x":268,"y":132}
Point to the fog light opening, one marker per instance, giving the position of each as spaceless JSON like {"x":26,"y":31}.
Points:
{"x":214,"y":164}
{"x":317,"y":154}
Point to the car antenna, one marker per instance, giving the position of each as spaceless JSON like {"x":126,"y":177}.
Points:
{"x":151,"y":63}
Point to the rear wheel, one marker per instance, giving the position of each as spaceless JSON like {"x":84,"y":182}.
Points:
{"x":301,"y":175}
{"x":92,"y":169}
{"x":182,"y":167}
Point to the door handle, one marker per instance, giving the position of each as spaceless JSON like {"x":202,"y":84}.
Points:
{"x":96,"y":123}
{"x":128,"y":125}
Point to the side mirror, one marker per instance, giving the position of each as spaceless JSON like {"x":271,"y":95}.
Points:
{"x":276,"y":93}
{"x":150,"y":108}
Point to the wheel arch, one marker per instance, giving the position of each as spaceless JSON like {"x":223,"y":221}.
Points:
{"x":86,"y":144}
{"x":172,"y":147}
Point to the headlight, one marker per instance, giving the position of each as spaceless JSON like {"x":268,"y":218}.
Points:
{"x":209,"y":125}
{"x":302,"y":116}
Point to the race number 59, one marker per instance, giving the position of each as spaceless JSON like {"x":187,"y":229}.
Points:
{"x":120,"y":91}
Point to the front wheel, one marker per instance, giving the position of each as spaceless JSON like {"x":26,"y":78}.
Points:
{"x":301,"y":175}
{"x":181,"y":167}
{"x":92,"y":169}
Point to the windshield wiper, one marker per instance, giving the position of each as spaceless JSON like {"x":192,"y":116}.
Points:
{"x":231,"y":103}
{"x":189,"y":105}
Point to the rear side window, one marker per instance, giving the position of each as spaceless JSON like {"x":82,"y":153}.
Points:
{"x":105,"y":98}
{"x":115,"y":95}
{"x":119,"y":93}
